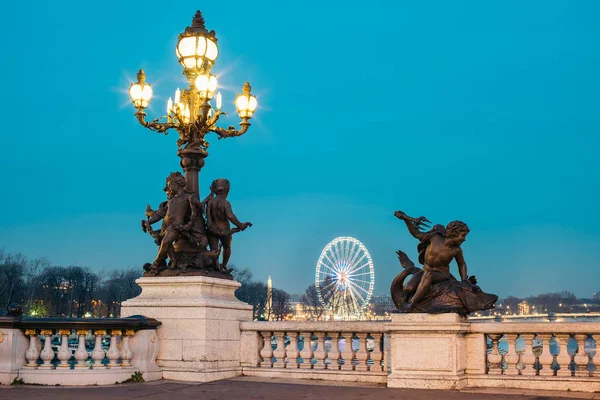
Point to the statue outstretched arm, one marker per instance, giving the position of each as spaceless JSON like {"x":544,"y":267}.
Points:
{"x":413,"y":224}
{"x":462,"y":265}
{"x":153,"y":216}
{"x":234,"y":220}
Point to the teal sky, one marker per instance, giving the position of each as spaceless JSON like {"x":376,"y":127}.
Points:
{"x":487,"y":112}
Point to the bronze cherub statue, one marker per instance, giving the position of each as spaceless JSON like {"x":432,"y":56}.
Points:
{"x":433,"y":289}
{"x":219,"y":214}
{"x":180,"y":215}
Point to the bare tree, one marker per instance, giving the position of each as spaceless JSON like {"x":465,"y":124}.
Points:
{"x":12,"y":277}
{"x":118,"y":288}
{"x":280,"y":304}
{"x":251,"y":292}
{"x":311,"y":303}
{"x":34,"y":270}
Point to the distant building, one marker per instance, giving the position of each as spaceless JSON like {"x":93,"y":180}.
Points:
{"x":381,"y":305}
{"x":524,"y":308}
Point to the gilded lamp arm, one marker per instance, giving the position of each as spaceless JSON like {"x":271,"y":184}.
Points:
{"x":231,"y":131}
{"x":155,"y":125}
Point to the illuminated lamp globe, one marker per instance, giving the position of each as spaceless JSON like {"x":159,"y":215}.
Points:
{"x":196,"y":47}
{"x":140,"y":92}
{"x":246,"y":103}
{"x":206,"y":85}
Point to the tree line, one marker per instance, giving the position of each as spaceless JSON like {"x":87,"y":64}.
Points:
{"x":564,"y":301}
{"x":43,"y":289}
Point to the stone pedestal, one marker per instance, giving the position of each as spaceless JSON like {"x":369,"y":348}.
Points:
{"x":428,"y":351}
{"x":200,"y":331}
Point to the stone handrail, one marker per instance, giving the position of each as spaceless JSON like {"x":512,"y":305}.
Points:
{"x":540,"y":355}
{"x":38,"y":350}
{"x":345,"y":351}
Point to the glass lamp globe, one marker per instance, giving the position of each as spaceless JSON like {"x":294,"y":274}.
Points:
{"x":140,"y":92}
{"x":246,"y":103}
{"x":206,"y":85}
{"x":196,"y":47}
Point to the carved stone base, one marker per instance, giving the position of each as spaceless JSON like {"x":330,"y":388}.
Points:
{"x":198,"y":272}
{"x":200,"y":331}
{"x":428,"y":351}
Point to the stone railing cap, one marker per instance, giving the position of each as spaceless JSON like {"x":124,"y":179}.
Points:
{"x":138,"y":322}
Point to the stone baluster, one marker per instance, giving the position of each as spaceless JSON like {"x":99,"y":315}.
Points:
{"x":113,"y":350}
{"x":279,"y":352}
{"x":64,"y":353}
{"x":495,"y":358}
{"x":546,"y":358}
{"x":292,"y":352}
{"x":126,"y":352}
{"x":307,"y":351}
{"x":334,"y":352}
{"x":347,"y":353}
{"x":47,"y":354}
{"x":267,"y":351}
{"x":32,"y":354}
{"x":563,"y":358}
{"x":528,"y":358}
{"x":362,"y":354}
{"x":98,"y":353}
{"x":320,"y":353}
{"x":376,"y":354}
{"x":581,"y":357}
{"x":596,"y":359}
{"x":511,"y":358}
{"x":81,"y":354}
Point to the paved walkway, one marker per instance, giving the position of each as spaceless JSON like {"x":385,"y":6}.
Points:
{"x":249,"y":388}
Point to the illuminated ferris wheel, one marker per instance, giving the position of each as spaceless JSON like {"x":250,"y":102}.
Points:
{"x":345,"y":277}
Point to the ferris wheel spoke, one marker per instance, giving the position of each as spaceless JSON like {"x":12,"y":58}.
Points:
{"x":361,"y":274}
{"x":358,"y":287}
{"x":355,"y":255}
{"x":360,"y":259}
{"x":326,"y":256}
{"x":354,"y":301}
{"x":351,"y":249}
{"x":338,"y":250}
{"x":359,"y":267}
{"x":329,"y":268}
{"x":342,"y":247}
{"x":329,"y":263}
{"x":329,"y":292}
{"x":354,"y":286}
{"x":329,"y":285}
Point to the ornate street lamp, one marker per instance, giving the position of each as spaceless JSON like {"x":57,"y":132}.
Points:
{"x":185,"y":235}
{"x":191,"y":113}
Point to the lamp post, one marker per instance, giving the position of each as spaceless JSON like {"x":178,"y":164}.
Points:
{"x":184,"y":234}
{"x":190,"y":112}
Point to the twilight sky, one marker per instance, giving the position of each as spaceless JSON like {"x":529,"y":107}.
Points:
{"x":487,"y":112}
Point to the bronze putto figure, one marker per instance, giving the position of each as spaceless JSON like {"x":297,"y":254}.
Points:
{"x":188,"y":227}
{"x":433,"y":289}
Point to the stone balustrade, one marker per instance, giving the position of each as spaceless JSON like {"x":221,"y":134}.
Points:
{"x":342,"y":351}
{"x":550,"y":355}
{"x":76,"y":351}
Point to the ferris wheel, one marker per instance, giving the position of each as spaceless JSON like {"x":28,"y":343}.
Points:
{"x":345,"y":277}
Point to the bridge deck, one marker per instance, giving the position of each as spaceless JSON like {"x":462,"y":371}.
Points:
{"x":249,"y":388}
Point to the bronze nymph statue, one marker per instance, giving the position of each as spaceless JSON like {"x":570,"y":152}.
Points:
{"x":433,"y":289}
